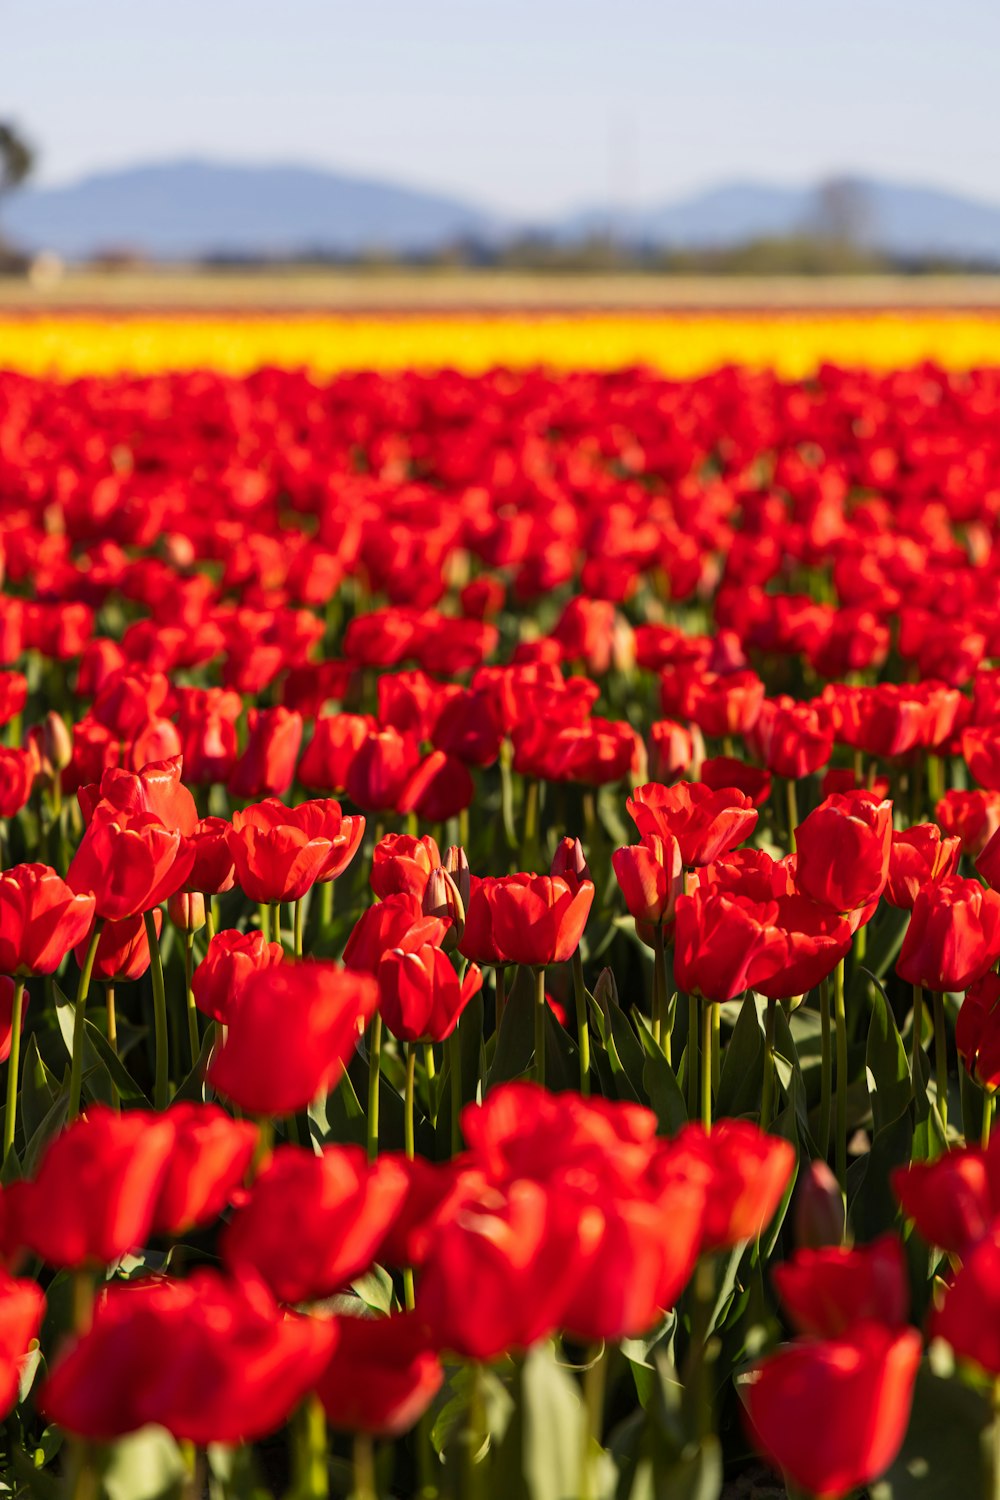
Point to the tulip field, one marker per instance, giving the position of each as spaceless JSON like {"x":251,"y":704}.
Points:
{"x":500,"y":910}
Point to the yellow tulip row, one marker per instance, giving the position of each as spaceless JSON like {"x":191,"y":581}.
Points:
{"x":680,"y":345}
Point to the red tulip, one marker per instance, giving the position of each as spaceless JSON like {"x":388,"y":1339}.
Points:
{"x":209,"y":1359}
{"x":293,"y":1032}
{"x":421,"y":996}
{"x":41,"y":919}
{"x":969,"y":1317}
{"x":705,"y":823}
{"x":122,"y":949}
{"x":382,"y":1376}
{"x":280,"y":852}
{"x":229,"y":961}
{"x":17,"y":777}
{"x":650,"y":876}
{"x":156,"y":789}
{"x":953,"y":1200}
{"x":725,"y":944}
{"x":919,"y":856}
{"x":977,"y":1031}
{"x":518,"y":1254}
{"x":214,"y":869}
{"x":828,"y":1292}
{"x":397,"y":922}
{"x":342,"y":1207}
{"x":843,"y":851}
{"x":210,"y":1157}
{"x":750,"y":1174}
{"x":267,"y":765}
{"x":832,"y":1414}
{"x":401,"y":862}
{"x":22,"y":1307}
{"x":538,"y":919}
{"x":953,"y":937}
{"x":129,"y":862}
{"x":94,"y":1195}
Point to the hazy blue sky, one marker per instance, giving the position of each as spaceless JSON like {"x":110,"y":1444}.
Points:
{"x":528,"y":105}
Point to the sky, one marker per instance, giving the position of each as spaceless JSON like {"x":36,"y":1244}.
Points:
{"x":528,"y":106}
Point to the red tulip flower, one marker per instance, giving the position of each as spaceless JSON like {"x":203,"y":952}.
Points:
{"x":977,"y":1031}
{"x":211,"y":1359}
{"x":833,"y":1413}
{"x":706,"y":823}
{"x":953,"y":937}
{"x":22,"y":1307}
{"x":401,"y":862}
{"x":267,"y":766}
{"x":231,"y":958}
{"x":129,"y":862}
{"x":294,"y":1030}
{"x":95,"y":1193}
{"x":41,"y":919}
{"x":382,"y":1376}
{"x":343,"y":1208}
{"x":650,"y":876}
{"x":421,"y":996}
{"x":843,"y":851}
{"x":828,"y":1292}
{"x":539,"y":919}
{"x":919,"y":856}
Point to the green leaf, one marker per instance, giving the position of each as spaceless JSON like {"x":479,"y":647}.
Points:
{"x":194,"y":1087}
{"x":871,"y":1203}
{"x":39,"y":1089}
{"x":743,"y":1065}
{"x":553,"y":1418}
{"x":660,"y":1084}
{"x":97,"y":1047}
{"x":516,"y":1041}
{"x":147,"y":1465}
{"x":888,"y":1073}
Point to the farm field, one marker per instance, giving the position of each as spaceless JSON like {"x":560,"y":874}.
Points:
{"x":500,"y":900}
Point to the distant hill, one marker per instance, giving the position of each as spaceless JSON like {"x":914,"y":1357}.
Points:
{"x":191,"y":209}
{"x":898,"y":218}
{"x":195,"y":209}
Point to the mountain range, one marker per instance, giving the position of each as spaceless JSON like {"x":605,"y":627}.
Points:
{"x":189,"y":209}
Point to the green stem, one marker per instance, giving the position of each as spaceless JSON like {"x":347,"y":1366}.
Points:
{"x":211,"y":925}
{"x":916,"y":1046}
{"x":13,"y":1064}
{"x":311,"y":1470}
{"x":501,"y":994}
{"x":716,"y":1048}
{"x":374,"y":1070}
{"x":792,"y":810}
{"x":840,"y":1020}
{"x":430,"y":1068}
{"x":297,"y":930}
{"x":988,"y":1105}
{"x":706,"y":1064}
{"x":364,"y":1468}
{"x":455,"y":1068}
{"x":826,"y":1079}
{"x":325,"y":905}
{"x":582,"y":1024}
{"x":941,"y":1059}
{"x":161,"y":1086}
{"x":540,"y":1026}
{"x":529,"y":839}
{"x":410,"y":1090}
{"x":767,"y":1090}
{"x":264,"y":918}
{"x":79,"y":1016}
{"x":471,"y":1486}
{"x":594,"y":1380}
{"x":692,"y":1057}
{"x":192,"y":1010}
{"x":660,"y":1032}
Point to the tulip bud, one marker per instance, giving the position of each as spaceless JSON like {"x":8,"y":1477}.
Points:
{"x":57,"y":742}
{"x":570,"y":862}
{"x":456,"y":862}
{"x":442,"y":899}
{"x":606,"y":990}
{"x":186,"y":910}
{"x":819,"y":1209}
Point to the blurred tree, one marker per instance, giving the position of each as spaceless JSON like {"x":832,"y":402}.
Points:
{"x":16,"y":157}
